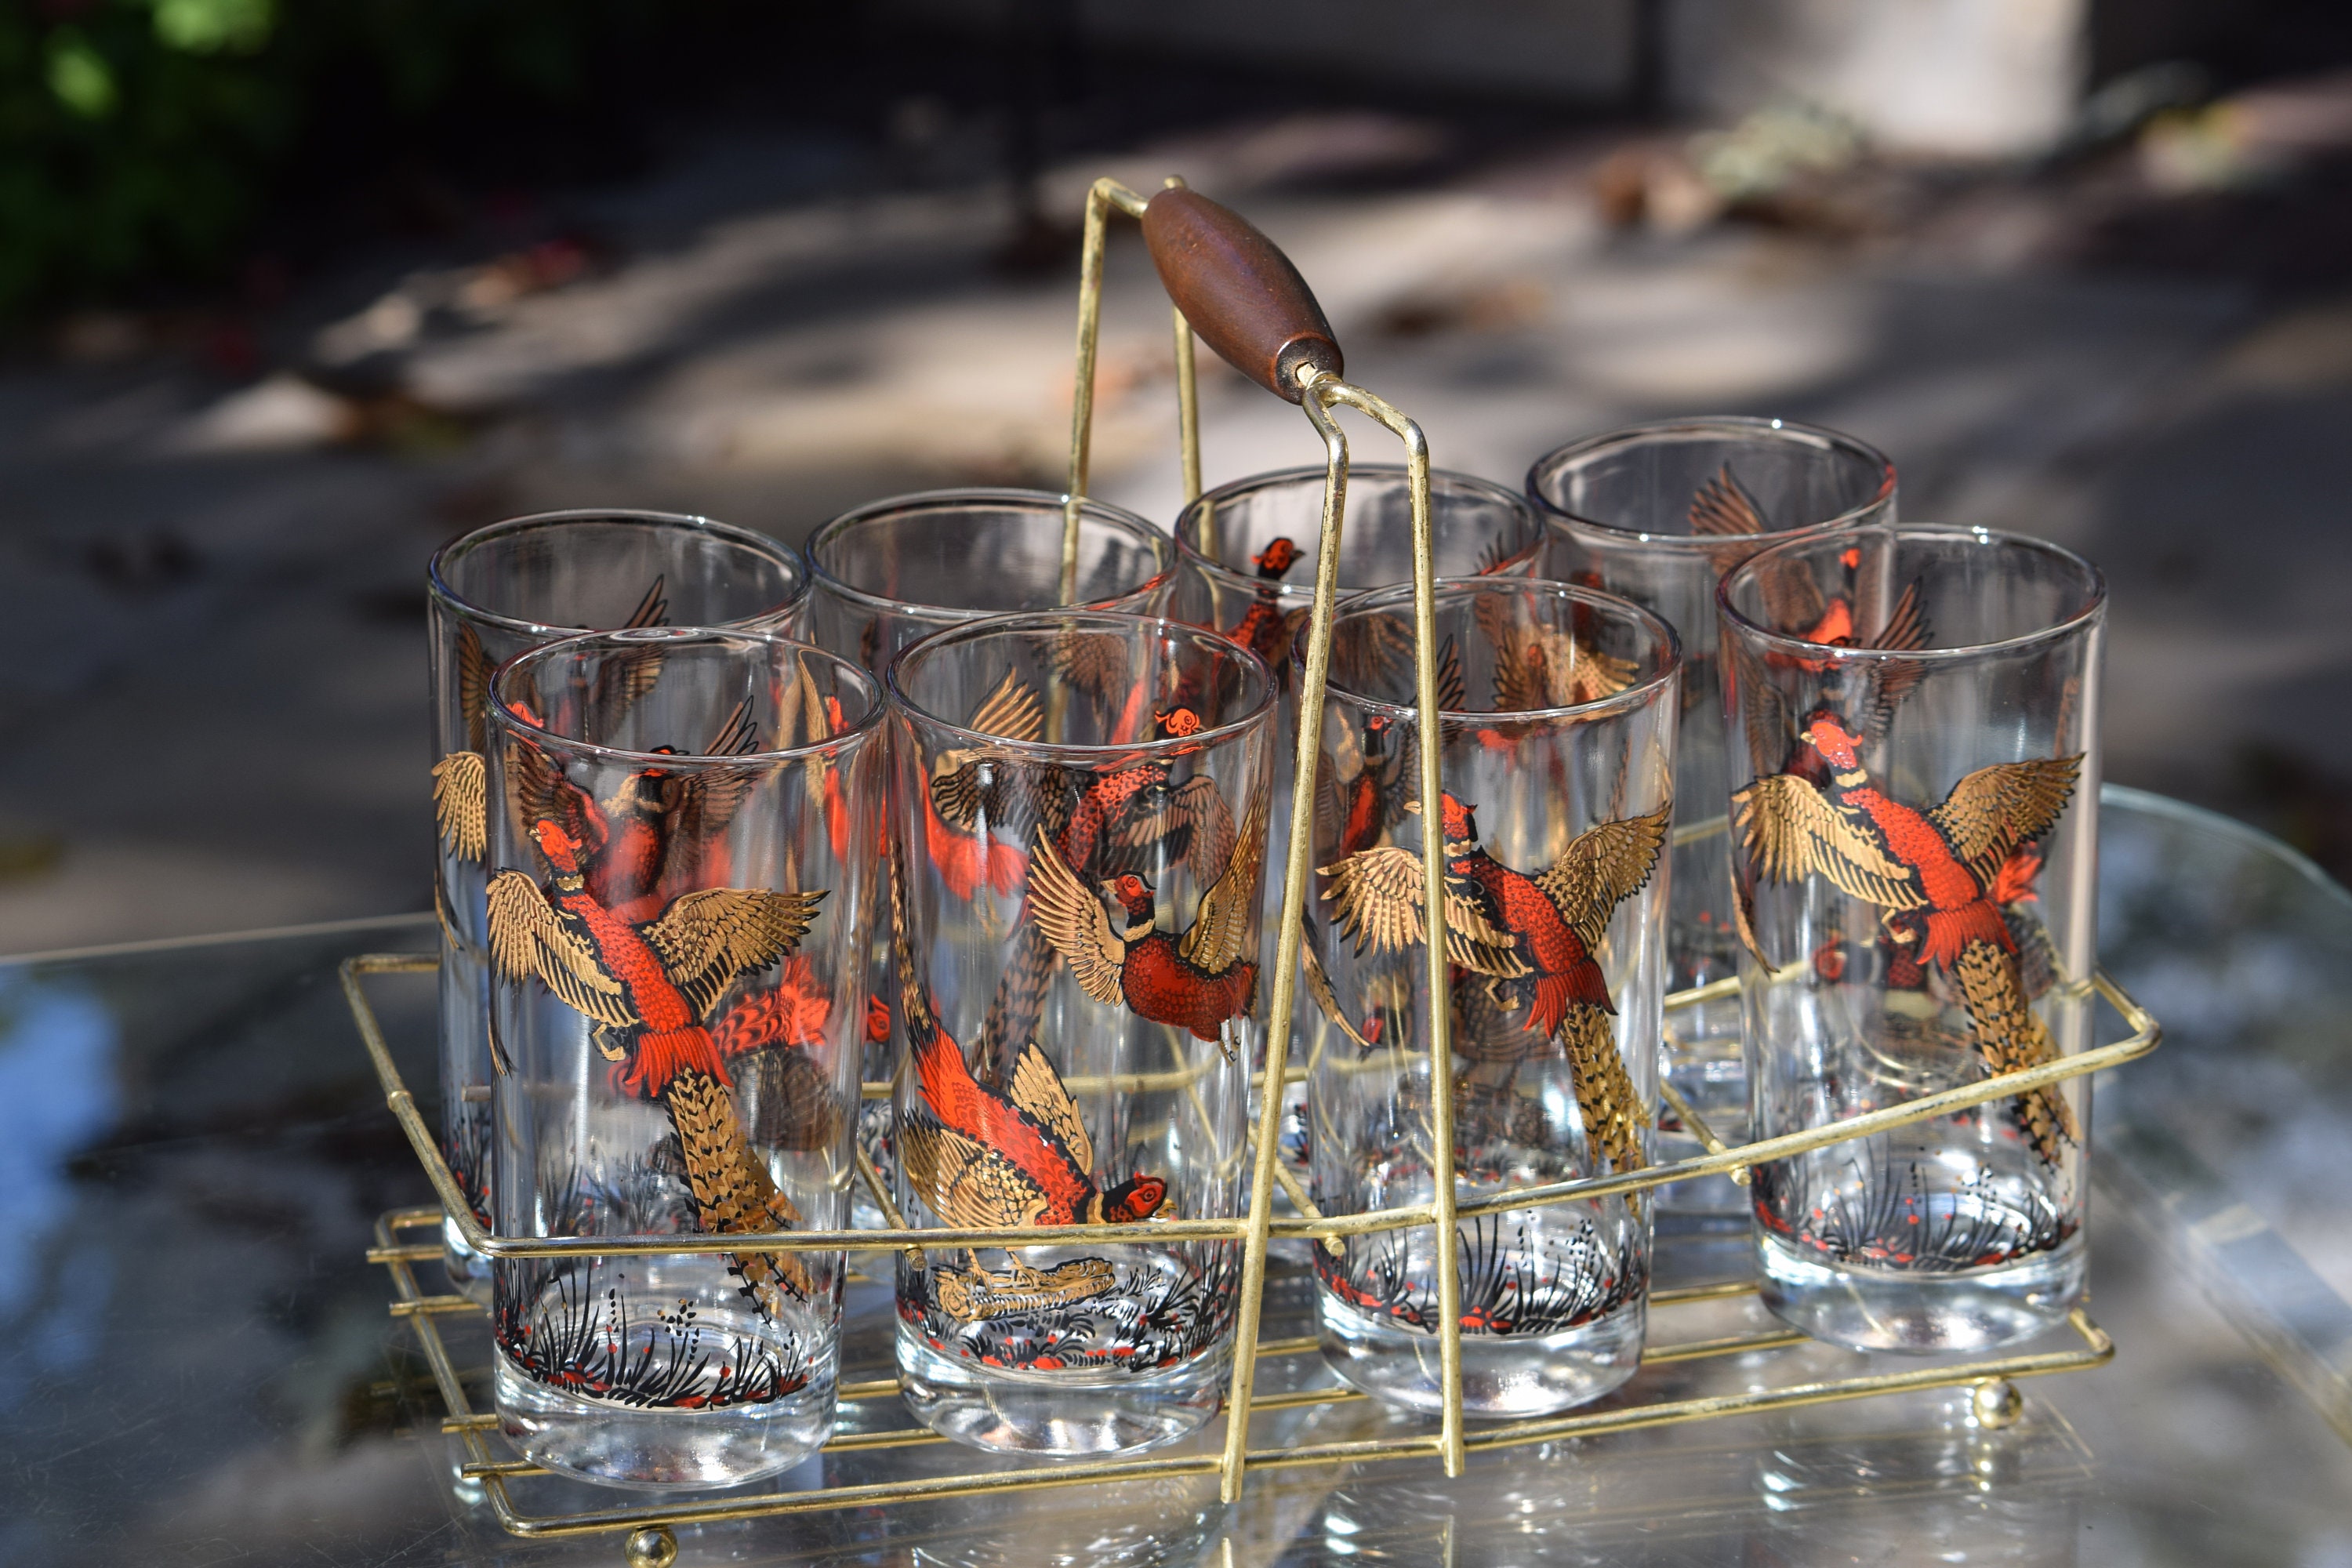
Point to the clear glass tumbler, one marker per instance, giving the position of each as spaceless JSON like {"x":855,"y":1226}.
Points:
{"x":494,"y":593}
{"x":893,"y":571}
{"x":1080,"y":1002}
{"x":1248,"y":552}
{"x":1656,"y":513}
{"x":1558,"y":751}
{"x":680,"y":901}
{"x":1917,"y":836}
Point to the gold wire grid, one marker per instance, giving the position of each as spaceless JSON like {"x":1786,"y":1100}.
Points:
{"x":1989,"y":1376}
{"x":1321,"y":394}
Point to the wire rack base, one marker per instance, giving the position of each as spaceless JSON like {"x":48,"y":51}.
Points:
{"x":650,"y":1527}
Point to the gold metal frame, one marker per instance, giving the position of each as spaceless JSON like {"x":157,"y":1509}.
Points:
{"x":650,"y":1525}
{"x":1321,"y":397}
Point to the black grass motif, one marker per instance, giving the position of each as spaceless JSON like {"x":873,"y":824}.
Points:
{"x":467,"y":1147}
{"x":572,"y":1337}
{"x":1891,"y":1214}
{"x":1147,"y":1320}
{"x":1526,"y":1287}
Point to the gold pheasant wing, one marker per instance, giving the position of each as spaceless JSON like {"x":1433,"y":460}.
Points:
{"x":1792,"y":601}
{"x":1576,"y":671}
{"x":1763,"y":711}
{"x":708,"y":939}
{"x":1037,"y":1090}
{"x":460,"y":802}
{"x":1601,"y":867}
{"x":964,"y":1181}
{"x":627,"y":677}
{"x":474,"y":668}
{"x":1221,"y":926}
{"x":1722,"y":506}
{"x":708,"y":798}
{"x":1518,"y":661}
{"x":540,"y":792}
{"x":1995,"y":809}
{"x":1075,"y":923}
{"x":1894,"y":679}
{"x":1094,"y":662}
{"x":1378,"y":899}
{"x":1793,"y":833}
{"x":1193,"y":812}
{"x":526,"y":938}
{"x":1013,"y":711}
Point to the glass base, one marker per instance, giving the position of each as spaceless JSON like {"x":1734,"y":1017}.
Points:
{"x":1059,"y":1412}
{"x":1502,"y":1375}
{"x":1914,"y":1310}
{"x":621,"y":1440}
{"x":470,"y":1271}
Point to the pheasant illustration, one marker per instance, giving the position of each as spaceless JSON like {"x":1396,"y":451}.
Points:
{"x":985,"y":1158}
{"x":1194,"y":980}
{"x":652,"y":988}
{"x":1130,"y":819}
{"x":461,"y":779}
{"x":1939,"y":878}
{"x":1265,"y":629}
{"x":1533,"y":938}
{"x":1540,"y":666}
{"x":979,"y":810}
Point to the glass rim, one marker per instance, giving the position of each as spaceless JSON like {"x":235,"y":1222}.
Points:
{"x":822,"y":576}
{"x":2095,"y":580}
{"x":1638,"y":695}
{"x":538,"y":734}
{"x":1209,"y":566}
{"x":437,"y":586}
{"x":1043,"y":620}
{"x":1740,"y":425}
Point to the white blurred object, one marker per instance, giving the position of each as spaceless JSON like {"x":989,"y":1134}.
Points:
{"x":1951,"y":78}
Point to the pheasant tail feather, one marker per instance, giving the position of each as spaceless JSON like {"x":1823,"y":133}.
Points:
{"x":1614,"y":1114}
{"x":1020,"y":998}
{"x":2012,"y":1037}
{"x":733,"y":1189}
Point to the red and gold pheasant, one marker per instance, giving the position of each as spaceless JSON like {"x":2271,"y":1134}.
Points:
{"x":1533,"y":938}
{"x":1196,"y":979}
{"x":651,"y":987}
{"x":986,"y":1158}
{"x":459,"y":779}
{"x":1939,"y":877}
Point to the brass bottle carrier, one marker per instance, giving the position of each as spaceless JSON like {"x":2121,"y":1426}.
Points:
{"x":1232,"y":287}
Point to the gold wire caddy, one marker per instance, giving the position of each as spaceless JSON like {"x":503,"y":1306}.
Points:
{"x":1251,"y":304}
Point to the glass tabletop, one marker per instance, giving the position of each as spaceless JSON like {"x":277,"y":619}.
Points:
{"x":200,"y":1368}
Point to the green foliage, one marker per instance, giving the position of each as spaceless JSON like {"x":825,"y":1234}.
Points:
{"x":142,"y":138}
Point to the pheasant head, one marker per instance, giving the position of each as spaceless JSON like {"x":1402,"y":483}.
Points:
{"x":1133,"y":895}
{"x":1833,"y":740}
{"x":1277,"y":559}
{"x":1175,"y":724}
{"x":1137,"y":1198}
{"x":563,"y":851}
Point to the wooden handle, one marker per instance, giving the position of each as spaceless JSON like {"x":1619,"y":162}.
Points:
{"x":1239,"y":292}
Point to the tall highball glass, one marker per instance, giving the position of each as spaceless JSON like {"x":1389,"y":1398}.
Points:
{"x":1558,"y":768}
{"x":494,"y":593}
{"x":893,"y":571}
{"x":1248,"y":552}
{"x":680,"y":892}
{"x":1656,"y":513}
{"x":1082,"y":812}
{"x":1915,"y":835}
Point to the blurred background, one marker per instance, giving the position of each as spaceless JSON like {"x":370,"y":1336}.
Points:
{"x":291,"y":291}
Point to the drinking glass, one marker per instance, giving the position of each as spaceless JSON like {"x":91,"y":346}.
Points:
{"x":895,"y":571}
{"x":681,"y":890}
{"x":1558,"y":763}
{"x":1082,"y":809}
{"x":1656,"y":513}
{"x":491,"y":594}
{"x":1915,"y":836}
{"x":1248,"y":553}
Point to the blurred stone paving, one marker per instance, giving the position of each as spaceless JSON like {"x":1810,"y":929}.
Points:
{"x":213,"y":697}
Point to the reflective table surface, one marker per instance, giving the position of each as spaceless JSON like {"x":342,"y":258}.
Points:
{"x":200,"y":1369}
